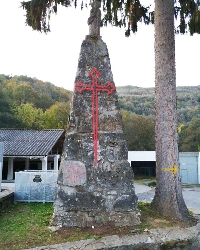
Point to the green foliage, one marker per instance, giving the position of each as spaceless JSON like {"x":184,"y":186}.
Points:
{"x":26,"y":103}
{"x":124,"y":13}
{"x":189,"y":136}
{"x":139,"y":131}
{"x":57,"y":116}
{"x":141,"y":101}
{"x":4,"y":105}
{"x":39,"y":12}
{"x":41,"y":105}
{"x":137,"y":106}
{"x":47,"y":93}
{"x":24,"y":93}
{"x":119,"y":13}
{"x":188,"y":13}
{"x":31,"y":117}
{"x":7,"y":118}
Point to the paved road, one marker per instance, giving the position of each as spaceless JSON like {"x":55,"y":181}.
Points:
{"x":191,"y":196}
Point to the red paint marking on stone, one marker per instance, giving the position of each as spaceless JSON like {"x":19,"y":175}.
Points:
{"x":75,"y":174}
{"x":94,"y":87}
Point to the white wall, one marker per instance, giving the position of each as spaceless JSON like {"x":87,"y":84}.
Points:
{"x":141,"y":156}
{"x":151,"y":156}
{"x":0,"y":175}
{"x":199,"y":167}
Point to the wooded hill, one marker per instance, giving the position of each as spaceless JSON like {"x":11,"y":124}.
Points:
{"x":30,"y":103}
{"x":27,"y":102}
{"x":141,"y":101}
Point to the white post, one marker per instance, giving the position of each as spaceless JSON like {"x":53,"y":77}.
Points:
{"x":0,"y":175}
{"x":198,"y":164}
{"x":10,"y":169}
{"x":56,"y":157}
{"x":26,"y":163}
{"x":1,"y":162}
{"x":44,"y":163}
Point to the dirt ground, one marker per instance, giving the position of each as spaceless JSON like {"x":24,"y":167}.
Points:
{"x":149,"y":220}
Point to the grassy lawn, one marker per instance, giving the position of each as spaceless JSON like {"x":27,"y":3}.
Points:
{"x":25,"y":225}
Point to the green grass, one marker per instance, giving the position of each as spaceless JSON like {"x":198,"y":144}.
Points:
{"x":25,"y":225}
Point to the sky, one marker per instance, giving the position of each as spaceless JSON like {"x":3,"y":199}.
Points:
{"x":54,"y":57}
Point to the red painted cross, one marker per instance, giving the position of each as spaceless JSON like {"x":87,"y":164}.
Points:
{"x":94,"y":87}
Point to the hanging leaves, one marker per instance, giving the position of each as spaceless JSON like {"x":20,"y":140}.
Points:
{"x":38,"y":12}
{"x":121,"y":13}
{"x":125,"y":13}
{"x":188,"y":12}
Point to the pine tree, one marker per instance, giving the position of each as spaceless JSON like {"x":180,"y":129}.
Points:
{"x":168,"y":199}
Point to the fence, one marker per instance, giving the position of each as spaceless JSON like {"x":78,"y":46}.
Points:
{"x":35,"y":186}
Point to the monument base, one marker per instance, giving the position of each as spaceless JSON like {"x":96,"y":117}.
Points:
{"x":63,"y":217}
{"x":96,"y":219}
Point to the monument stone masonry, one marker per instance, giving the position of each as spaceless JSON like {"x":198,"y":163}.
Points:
{"x":95,"y":180}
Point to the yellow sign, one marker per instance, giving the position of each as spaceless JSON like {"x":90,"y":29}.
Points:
{"x":174,"y":170}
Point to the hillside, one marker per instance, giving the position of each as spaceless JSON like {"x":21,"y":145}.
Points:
{"x":27,"y":102}
{"x":44,"y":93}
{"x":141,"y":101}
{"x":30,"y":103}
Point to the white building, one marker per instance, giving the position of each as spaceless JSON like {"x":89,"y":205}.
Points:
{"x":144,"y":163}
{"x":30,"y":150}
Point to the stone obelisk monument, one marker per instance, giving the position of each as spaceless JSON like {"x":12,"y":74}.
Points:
{"x":95,"y":180}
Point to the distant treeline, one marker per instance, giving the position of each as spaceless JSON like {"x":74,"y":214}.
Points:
{"x":141,"y":101}
{"x":30,"y":103}
{"x":27,"y":102}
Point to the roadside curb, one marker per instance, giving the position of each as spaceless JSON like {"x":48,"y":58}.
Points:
{"x":155,"y":239}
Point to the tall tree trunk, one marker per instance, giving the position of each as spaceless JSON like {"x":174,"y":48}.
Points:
{"x":168,"y":198}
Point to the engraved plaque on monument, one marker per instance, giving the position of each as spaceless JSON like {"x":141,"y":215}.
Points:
{"x":95,"y":180}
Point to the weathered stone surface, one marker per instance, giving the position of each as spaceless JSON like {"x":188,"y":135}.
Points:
{"x":73,"y":173}
{"x":89,"y":192}
{"x":95,"y":18}
{"x":125,"y":203}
